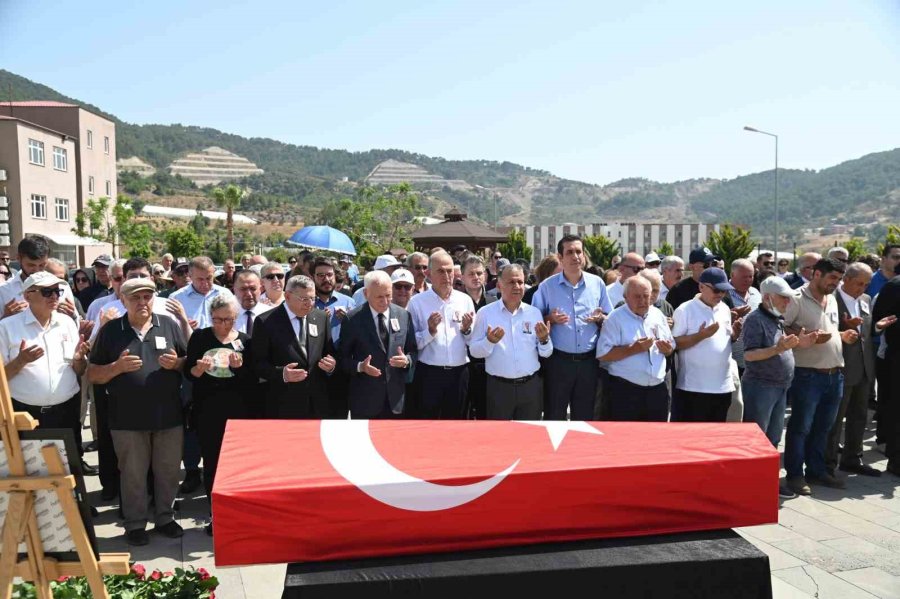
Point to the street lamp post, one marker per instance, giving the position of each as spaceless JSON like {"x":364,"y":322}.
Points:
{"x":753,"y":130}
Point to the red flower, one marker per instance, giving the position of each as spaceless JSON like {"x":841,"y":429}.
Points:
{"x":62,"y":579}
{"x":168,"y":574}
{"x":139,"y":571}
{"x":203,"y":573}
{"x":155,"y":575}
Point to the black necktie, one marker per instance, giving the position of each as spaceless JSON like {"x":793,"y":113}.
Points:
{"x":383,"y":332}
{"x":249,"y":327}
{"x":301,"y":337}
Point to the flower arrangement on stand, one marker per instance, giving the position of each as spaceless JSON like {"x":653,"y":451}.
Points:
{"x":138,"y":584}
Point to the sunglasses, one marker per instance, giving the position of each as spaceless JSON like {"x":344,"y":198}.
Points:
{"x":420,"y":267}
{"x":714,"y":290}
{"x":77,"y":279}
{"x":274,"y":276}
{"x":46,"y":292}
{"x":634,"y":269}
{"x":768,"y":264}
{"x":118,"y":279}
{"x":292,"y":261}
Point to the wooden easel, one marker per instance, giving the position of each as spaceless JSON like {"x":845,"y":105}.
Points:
{"x":21,"y":521}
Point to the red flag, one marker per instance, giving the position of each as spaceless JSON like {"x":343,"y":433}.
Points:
{"x":289,"y":491}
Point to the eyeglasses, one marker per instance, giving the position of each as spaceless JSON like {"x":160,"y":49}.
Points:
{"x":324,"y":275}
{"x":714,"y":290}
{"x":48,"y":292}
{"x":274,"y":276}
{"x":118,"y":279}
{"x":222,"y":320}
{"x":634,"y":269}
{"x":77,"y":279}
{"x":303,"y":299}
{"x":420,"y":267}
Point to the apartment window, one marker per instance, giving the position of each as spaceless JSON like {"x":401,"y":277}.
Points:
{"x":38,"y":206}
{"x":62,"y":209}
{"x":105,"y":144}
{"x":108,"y":189}
{"x":90,"y":139}
{"x":91,"y":185}
{"x":36,"y":152}
{"x":60,"y":159}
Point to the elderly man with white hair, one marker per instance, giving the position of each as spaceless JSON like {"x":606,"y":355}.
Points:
{"x":632,"y":264}
{"x":672,"y":270}
{"x":634,"y":343}
{"x":838,"y":253}
{"x":378,"y":346}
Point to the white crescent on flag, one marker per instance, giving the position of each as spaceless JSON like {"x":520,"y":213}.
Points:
{"x":348,"y":446}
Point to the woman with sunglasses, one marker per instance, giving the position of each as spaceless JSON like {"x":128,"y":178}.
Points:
{"x":272,"y":276}
{"x":5,"y":273}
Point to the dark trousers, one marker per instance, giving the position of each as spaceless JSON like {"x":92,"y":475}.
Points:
{"x":108,"y":462}
{"x":882,"y":375}
{"x":191,"y":449}
{"x":338,"y":407}
{"x":635,"y":403}
{"x":210,"y":432}
{"x":571,"y":382}
{"x":855,"y":408}
{"x":703,"y":407}
{"x":514,"y":400}
{"x":64,"y":415}
{"x":817,"y":397}
{"x":476,"y":398}
{"x":441,"y":391}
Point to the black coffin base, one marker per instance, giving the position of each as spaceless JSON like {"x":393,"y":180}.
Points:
{"x":714,"y":564}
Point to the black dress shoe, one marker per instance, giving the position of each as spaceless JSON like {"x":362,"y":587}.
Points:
{"x":893,"y":469}
{"x":89,"y":470}
{"x":108,"y":494}
{"x":209,"y":530}
{"x":172,"y":530}
{"x":88,"y":447}
{"x":860,"y":469}
{"x":137,"y":537}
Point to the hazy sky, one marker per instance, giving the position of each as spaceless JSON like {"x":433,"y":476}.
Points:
{"x":595,"y":91}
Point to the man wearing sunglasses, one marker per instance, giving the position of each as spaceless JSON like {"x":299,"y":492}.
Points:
{"x":631,"y":265}
{"x":699,"y":260}
{"x":417,"y":264}
{"x":180,"y":275}
{"x":43,"y":356}
{"x":34,"y":251}
{"x":703,"y":334}
{"x":102,"y":285}
{"x":272,"y":276}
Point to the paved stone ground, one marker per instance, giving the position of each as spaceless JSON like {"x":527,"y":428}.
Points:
{"x":843,"y":544}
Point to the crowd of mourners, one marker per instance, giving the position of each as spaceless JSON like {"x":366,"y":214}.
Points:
{"x":162,"y":355}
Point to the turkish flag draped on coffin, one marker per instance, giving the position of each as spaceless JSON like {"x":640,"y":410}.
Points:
{"x":289,"y":491}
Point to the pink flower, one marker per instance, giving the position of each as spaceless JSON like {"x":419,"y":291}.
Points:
{"x":204,"y":574}
{"x":139,"y":571}
{"x":155,"y":575}
{"x":62,"y":579}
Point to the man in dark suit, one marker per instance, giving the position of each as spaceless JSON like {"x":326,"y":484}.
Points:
{"x":803,"y":274}
{"x":854,"y":312}
{"x":378,"y":345}
{"x":886,"y":313}
{"x":292,"y":350}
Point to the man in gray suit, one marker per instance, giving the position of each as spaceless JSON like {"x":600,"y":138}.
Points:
{"x":854,"y":312}
{"x":378,"y":345}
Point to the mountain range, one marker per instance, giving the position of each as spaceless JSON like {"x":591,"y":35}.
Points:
{"x":860,"y":191}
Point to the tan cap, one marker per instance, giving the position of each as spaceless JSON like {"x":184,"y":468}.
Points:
{"x":140,"y":284}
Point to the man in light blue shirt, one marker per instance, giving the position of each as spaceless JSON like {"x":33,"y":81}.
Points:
{"x":195,"y":298}
{"x":574,"y":303}
{"x":511,"y":336}
{"x":634,"y":343}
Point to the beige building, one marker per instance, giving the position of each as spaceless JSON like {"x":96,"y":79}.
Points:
{"x":91,"y":160}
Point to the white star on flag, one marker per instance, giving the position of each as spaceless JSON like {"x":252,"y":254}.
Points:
{"x":557,"y":429}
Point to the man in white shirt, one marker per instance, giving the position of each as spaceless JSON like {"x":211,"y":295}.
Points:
{"x":511,"y":337}
{"x":631,"y":265}
{"x":443,"y":320}
{"x":703,"y":334}
{"x":34,"y":251}
{"x":43,"y":355}
{"x":247,"y":289}
{"x":635,"y":341}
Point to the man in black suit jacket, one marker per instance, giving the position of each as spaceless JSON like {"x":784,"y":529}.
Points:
{"x":803,"y":274}
{"x":293,"y":351}
{"x":884,"y":317}
{"x":378,"y":345}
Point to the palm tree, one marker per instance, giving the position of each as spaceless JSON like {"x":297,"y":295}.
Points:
{"x":230,"y":198}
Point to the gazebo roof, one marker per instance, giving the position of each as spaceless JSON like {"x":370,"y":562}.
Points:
{"x":457,"y":229}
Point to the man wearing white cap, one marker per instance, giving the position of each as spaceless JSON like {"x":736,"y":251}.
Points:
{"x":43,"y":355}
{"x":652,"y":260}
{"x":385,"y":262}
{"x":403,"y":282}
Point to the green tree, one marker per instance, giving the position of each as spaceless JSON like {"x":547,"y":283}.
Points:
{"x":892,"y":236}
{"x":376,"y":220}
{"x":601,"y":249}
{"x":730,"y":243}
{"x":182,"y":241}
{"x":856,"y":247}
{"x":230,"y":199}
{"x":80,"y":227}
{"x":136,"y":237}
{"x":515,"y":247}
{"x":665,"y":249}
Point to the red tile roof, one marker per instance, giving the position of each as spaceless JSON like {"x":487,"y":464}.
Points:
{"x":39,"y":104}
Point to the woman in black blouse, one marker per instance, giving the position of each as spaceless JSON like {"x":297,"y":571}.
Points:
{"x":219,"y":365}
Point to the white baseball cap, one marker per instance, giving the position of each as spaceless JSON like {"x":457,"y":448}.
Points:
{"x":777,"y":286}
{"x":42,"y":279}
{"x":385,"y":261}
{"x":652,"y":257}
{"x":401,"y":275}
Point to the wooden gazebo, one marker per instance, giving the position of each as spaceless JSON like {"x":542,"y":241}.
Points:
{"x":456,"y":230}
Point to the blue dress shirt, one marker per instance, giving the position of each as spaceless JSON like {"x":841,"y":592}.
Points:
{"x":577,"y":302}
{"x":337,"y":300}
{"x":196,"y":305}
